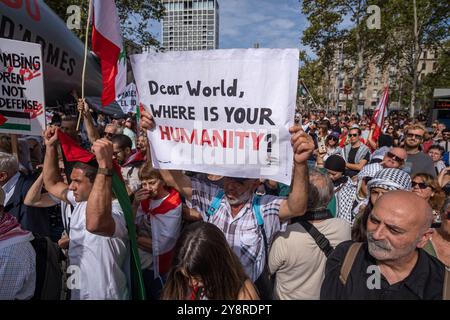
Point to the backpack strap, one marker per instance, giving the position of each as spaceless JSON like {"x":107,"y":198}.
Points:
{"x":348,"y":261}
{"x":215,"y":203}
{"x":321,"y":240}
{"x":446,"y":289}
{"x":256,"y":207}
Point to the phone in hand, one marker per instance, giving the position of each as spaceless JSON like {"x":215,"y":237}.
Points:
{"x":322,"y":147}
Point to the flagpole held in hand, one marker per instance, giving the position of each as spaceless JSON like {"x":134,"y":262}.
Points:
{"x":83,"y":75}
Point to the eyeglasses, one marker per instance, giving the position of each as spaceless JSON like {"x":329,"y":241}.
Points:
{"x":352,"y":134}
{"x":395,"y":157}
{"x":109,"y":135}
{"x":415,"y":136}
{"x":421,"y":185}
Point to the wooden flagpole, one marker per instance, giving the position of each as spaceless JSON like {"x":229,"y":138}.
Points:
{"x":15,"y":145}
{"x":83,"y":75}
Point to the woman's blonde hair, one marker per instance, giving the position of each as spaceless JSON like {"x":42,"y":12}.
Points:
{"x":437,"y":200}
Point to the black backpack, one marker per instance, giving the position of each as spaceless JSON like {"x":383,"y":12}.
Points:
{"x":48,"y":269}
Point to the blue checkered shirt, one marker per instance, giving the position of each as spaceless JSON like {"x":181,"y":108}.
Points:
{"x":242,"y":231}
{"x":17,"y":271}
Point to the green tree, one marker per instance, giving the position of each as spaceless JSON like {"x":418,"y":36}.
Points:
{"x":135,"y":16}
{"x":311,"y":73}
{"x":323,"y":36}
{"x":409,"y":28}
{"x":326,"y":35}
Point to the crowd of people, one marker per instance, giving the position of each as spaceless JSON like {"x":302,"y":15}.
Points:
{"x":366,"y":216}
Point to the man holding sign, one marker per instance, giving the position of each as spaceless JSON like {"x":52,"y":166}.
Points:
{"x":228,"y":112}
{"x":237,"y":211}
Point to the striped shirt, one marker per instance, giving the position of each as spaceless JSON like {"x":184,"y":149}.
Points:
{"x":242,"y":231}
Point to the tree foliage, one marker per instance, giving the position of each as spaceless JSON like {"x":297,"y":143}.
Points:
{"x":395,"y":44}
{"x":135,"y":16}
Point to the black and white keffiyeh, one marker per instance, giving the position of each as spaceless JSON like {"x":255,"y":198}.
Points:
{"x":345,"y":196}
{"x":390,"y":179}
{"x":369,"y":170}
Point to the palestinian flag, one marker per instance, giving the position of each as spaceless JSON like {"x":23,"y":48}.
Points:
{"x":73,"y":153}
{"x":13,"y":120}
{"x":107,"y":45}
{"x":302,"y":90}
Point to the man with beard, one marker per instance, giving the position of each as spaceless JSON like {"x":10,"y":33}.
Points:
{"x":417,"y":161}
{"x":130,"y":162}
{"x":392,"y":264}
{"x":248,"y":228}
{"x":344,"y":189}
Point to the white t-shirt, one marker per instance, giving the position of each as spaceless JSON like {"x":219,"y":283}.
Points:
{"x":103,"y":261}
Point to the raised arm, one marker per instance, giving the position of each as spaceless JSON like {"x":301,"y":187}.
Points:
{"x":444,"y":177}
{"x":35,"y":197}
{"x":173,"y":178}
{"x":356,"y":166}
{"x":52,"y":178}
{"x":178,"y":180}
{"x":99,"y":218}
{"x":91,"y":130}
{"x":370,"y":142}
{"x":296,"y":203}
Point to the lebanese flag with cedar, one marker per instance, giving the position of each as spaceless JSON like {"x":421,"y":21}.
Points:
{"x":72,"y":152}
{"x":107,"y":45}
{"x":379,"y":114}
{"x":165,"y":221}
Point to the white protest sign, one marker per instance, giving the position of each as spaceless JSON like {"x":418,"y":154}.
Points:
{"x":225,"y":112}
{"x":127,"y":100}
{"x":22,"y":104}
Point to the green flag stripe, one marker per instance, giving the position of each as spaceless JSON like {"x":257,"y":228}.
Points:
{"x":14,"y":126}
{"x":121,"y":194}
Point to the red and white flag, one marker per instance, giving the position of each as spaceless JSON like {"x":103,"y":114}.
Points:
{"x":107,"y":45}
{"x":165,"y":221}
{"x":379,"y":114}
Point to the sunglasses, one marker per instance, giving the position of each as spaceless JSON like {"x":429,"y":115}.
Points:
{"x":415,"y":136}
{"x":390,"y":128}
{"x":394,"y":157}
{"x":109,"y":135}
{"x":333,"y":138}
{"x":352,"y":134}
{"x":421,"y":185}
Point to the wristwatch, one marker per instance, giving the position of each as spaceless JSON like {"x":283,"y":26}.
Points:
{"x":107,"y":172}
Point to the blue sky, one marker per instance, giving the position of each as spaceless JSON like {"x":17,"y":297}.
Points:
{"x":271,"y":23}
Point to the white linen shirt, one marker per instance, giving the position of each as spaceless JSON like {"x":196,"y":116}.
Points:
{"x":103,"y":261}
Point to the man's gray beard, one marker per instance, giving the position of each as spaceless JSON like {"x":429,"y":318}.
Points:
{"x":242,"y":199}
{"x":377,"y":246}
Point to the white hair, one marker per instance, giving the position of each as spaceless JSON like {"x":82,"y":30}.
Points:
{"x":8,"y":164}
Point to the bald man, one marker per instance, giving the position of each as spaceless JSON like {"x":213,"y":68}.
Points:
{"x":394,"y":158}
{"x":392,"y":264}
